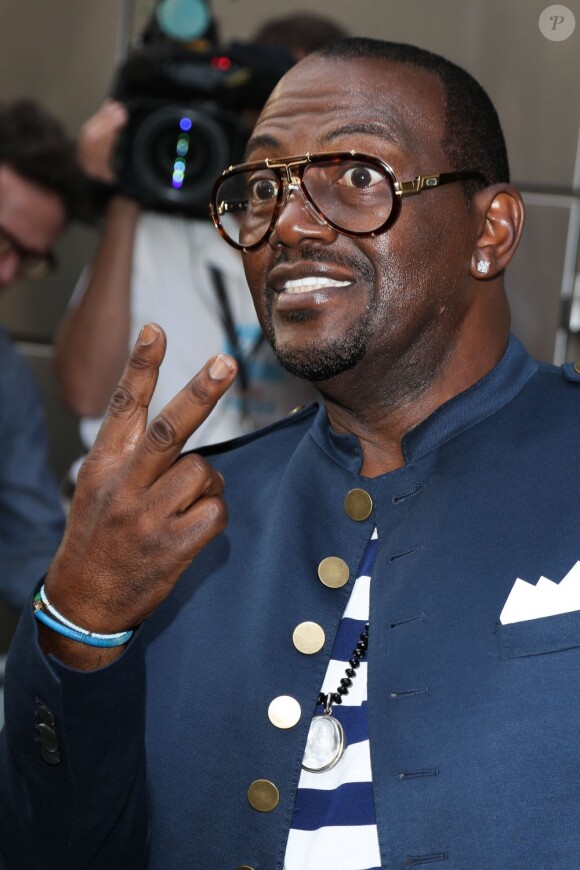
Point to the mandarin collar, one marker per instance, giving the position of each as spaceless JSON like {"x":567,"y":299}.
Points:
{"x":488,"y":395}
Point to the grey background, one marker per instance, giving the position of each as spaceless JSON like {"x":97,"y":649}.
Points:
{"x":63,"y":52}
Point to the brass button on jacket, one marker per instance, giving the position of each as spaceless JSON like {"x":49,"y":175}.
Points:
{"x":308,"y":638}
{"x":358,"y":505}
{"x":263,"y":795}
{"x":333,"y":572}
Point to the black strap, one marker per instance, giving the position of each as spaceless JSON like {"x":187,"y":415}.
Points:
{"x":229,"y":326}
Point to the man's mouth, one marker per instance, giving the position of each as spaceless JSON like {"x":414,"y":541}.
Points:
{"x":311,"y":284}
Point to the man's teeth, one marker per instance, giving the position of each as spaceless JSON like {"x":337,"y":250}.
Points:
{"x":300,"y":285}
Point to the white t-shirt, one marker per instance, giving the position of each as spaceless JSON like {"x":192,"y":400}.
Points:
{"x":172,"y":286}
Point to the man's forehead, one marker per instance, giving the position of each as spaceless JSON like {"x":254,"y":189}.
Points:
{"x":33,"y":215}
{"x":332,"y":98}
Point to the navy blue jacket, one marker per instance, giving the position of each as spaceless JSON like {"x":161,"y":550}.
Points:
{"x":31,"y":516}
{"x":474,"y":726}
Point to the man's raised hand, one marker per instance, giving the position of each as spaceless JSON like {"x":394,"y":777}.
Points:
{"x":139,"y":516}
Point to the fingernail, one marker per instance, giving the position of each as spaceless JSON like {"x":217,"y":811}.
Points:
{"x":220,"y":368}
{"x":147,"y":335}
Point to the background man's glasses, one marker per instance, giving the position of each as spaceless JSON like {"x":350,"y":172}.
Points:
{"x":32,"y":265}
{"x":355,"y":194}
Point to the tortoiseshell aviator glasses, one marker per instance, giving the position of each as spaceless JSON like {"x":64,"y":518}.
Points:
{"x":355,"y":194}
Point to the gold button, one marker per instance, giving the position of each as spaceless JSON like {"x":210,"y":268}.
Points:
{"x":333,"y":572}
{"x":308,"y":638}
{"x":296,"y":409}
{"x":577,"y":368}
{"x":358,"y":505}
{"x":284,"y":712}
{"x":263,"y":795}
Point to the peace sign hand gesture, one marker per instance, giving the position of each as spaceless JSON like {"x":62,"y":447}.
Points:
{"x":138,"y":517}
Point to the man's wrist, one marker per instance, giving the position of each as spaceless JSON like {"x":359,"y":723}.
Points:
{"x":121,"y":204}
{"x":46,"y":613}
{"x":76,"y":655}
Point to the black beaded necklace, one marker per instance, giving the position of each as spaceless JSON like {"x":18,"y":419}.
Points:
{"x":326,"y":743}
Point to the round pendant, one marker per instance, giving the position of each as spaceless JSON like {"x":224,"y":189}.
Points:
{"x":325,"y":745}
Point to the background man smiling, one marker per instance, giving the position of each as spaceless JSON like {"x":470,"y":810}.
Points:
{"x":39,"y":192}
{"x":232,"y":729}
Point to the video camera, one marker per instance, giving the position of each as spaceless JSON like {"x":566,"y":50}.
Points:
{"x":188,"y":118}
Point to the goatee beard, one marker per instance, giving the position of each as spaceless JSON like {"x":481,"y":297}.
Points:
{"x":319,"y":363}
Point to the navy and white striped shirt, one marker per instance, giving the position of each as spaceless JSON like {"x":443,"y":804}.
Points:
{"x":334,"y":825}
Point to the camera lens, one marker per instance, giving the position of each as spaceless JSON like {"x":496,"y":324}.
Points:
{"x":177,"y":154}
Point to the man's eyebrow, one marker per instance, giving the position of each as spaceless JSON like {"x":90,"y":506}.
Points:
{"x":19,"y":245}
{"x":388,"y":131}
{"x":261,"y":141}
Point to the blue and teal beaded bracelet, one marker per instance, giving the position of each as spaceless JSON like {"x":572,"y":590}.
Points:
{"x":55,"y":621}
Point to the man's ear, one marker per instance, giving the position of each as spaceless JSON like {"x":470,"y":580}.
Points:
{"x":502,"y":214}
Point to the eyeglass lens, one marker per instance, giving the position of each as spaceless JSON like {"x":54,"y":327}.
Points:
{"x":32,"y":266}
{"x":353,"y":195}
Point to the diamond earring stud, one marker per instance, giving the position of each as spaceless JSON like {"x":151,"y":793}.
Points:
{"x":483,"y":267}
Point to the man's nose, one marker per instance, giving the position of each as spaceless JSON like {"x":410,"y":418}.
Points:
{"x":298,"y":221}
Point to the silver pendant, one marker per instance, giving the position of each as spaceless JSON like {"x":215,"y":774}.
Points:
{"x":325,"y":744}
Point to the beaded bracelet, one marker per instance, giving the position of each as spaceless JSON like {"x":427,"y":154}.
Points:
{"x":59,"y":623}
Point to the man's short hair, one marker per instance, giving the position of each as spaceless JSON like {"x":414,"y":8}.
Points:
{"x":36,"y":146}
{"x":472,"y":138}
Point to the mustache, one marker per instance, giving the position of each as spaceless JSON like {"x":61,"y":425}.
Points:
{"x":316,"y":254}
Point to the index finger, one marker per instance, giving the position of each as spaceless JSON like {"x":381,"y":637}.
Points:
{"x":126,"y":417}
{"x":163,"y":441}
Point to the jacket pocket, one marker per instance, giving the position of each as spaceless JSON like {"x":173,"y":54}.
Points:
{"x":536,"y":637}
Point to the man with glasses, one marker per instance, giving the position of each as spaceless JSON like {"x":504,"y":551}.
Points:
{"x":38,"y":193}
{"x":383,"y":546}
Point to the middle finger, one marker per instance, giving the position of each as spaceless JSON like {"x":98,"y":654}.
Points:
{"x":180,"y":418}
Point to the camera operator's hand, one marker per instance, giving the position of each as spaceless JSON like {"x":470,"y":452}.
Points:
{"x":138,"y":517}
{"x":98,"y":139}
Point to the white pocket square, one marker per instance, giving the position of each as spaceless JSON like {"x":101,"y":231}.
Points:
{"x":546,"y":598}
